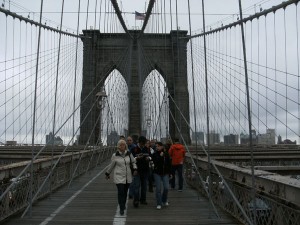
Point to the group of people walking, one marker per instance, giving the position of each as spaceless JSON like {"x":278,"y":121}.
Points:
{"x":137,"y":166}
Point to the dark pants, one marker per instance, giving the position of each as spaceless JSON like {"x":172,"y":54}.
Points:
{"x":151,"y":180}
{"x":179,"y":169}
{"x":122,"y":195}
{"x":140,"y":187}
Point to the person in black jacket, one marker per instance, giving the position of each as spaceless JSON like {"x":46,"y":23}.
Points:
{"x":161,"y":172}
{"x":140,"y":181}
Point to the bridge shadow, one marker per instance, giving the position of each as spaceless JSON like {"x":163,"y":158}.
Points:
{"x":91,"y":199}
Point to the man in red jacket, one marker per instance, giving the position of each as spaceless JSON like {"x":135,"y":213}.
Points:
{"x":177,"y":153}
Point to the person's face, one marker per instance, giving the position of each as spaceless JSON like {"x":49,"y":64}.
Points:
{"x":129,"y":141}
{"x":122,"y":147}
{"x":159,"y":148}
{"x":148,"y":144}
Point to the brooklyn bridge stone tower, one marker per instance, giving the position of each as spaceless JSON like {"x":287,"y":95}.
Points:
{"x":140,"y":54}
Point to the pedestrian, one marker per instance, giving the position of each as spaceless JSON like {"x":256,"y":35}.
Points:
{"x":161,"y":173}
{"x":177,"y":153}
{"x":121,"y":161}
{"x":130,"y":144}
{"x":150,"y":177}
{"x":131,"y":147}
{"x":140,"y":180}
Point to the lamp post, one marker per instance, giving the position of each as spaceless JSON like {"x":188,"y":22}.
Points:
{"x":101,"y":95}
{"x":148,"y":121}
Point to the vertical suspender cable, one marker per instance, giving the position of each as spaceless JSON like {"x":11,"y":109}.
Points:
{"x":34,"y":110}
{"x":249,"y":110}
{"x":193,"y":76}
{"x":298,"y":63}
{"x":275,"y":69}
{"x":100,"y":14}
{"x":207,"y":106}
{"x":87,"y":14}
{"x":266,"y":43}
{"x":178,"y":52}
{"x":13,"y":78}
{"x":26,"y":33}
{"x":56,"y":84}
{"x":258,"y":76}
{"x":95,"y":15}
{"x":5,"y":84}
{"x":286,"y":88}
{"x":19,"y":92}
{"x":171,"y":14}
{"x":75,"y":72}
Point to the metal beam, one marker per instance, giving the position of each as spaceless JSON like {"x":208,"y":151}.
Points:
{"x":119,"y":14}
{"x":148,"y":13}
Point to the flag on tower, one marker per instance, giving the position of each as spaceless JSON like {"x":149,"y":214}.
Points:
{"x":139,"y":16}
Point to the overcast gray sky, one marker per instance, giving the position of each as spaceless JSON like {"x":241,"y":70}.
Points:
{"x":217,"y":11}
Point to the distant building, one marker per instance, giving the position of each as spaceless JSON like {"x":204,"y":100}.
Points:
{"x":51,"y":140}
{"x":267,"y":138}
{"x":279,"y":140}
{"x":199,"y":136}
{"x":11,"y":143}
{"x":214,"y":138}
{"x":286,"y":141}
{"x":231,"y":139}
{"x":244,"y":138}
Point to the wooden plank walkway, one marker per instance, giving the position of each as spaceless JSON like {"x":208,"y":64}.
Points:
{"x":92,"y":200}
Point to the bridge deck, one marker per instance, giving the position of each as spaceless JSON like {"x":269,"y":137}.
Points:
{"x":93,"y":200}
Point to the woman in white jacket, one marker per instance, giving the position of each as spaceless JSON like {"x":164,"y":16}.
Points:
{"x":120,"y":164}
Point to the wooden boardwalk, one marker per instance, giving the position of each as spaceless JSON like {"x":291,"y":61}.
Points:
{"x":92,"y":199}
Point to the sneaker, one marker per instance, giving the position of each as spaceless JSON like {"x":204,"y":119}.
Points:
{"x":121,"y":212}
{"x":158,"y":207}
{"x":179,"y":190}
{"x":165,"y":203}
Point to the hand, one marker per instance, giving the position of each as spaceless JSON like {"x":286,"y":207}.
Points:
{"x":161,"y":154}
{"x":135,"y":173}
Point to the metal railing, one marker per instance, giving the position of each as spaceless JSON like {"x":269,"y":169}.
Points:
{"x":269,"y":208}
{"x":17,"y":199}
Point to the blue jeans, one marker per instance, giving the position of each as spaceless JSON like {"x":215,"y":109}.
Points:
{"x":122,"y":194}
{"x":164,"y":180}
{"x":139,"y":187}
{"x":179,"y":169}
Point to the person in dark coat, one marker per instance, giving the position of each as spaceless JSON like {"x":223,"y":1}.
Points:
{"x":140,"y":181}
{"x":162,"y":170}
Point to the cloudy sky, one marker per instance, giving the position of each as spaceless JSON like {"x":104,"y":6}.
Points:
{"x":216,"y":11}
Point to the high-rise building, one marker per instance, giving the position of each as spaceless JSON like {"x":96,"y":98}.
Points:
{"x":279,"y":140}
{"x":51,"y":140}
{"x":244,"y":138}
{"x":214,"y":138}
{"x":267,"y":138}
{"x":199,"y":136}
{"x":231,"y":139}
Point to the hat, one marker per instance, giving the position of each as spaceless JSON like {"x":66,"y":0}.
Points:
{"x":142,"y":139}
